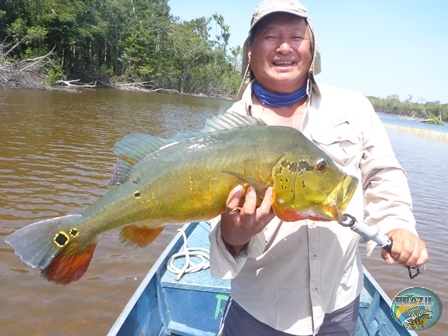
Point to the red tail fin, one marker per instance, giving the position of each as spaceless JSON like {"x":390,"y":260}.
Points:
{"x":140,"y":236}
{"x":69,"y":265}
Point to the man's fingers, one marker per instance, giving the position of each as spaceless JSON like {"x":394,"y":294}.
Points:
{"x":233,"y":200}
{"x":239,"y":224}
{"x":250,"y":203}
{"x":387,"y":256}
{"x":423,"y":257}
{"x":266,"y":204}
{"x":407,"y":249}
{"x":402,"y":251}
{"x":264,"y":212}
{"x":419,"y":254}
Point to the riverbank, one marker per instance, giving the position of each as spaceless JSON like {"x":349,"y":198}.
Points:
{"x":414,"y":126}
{"x":442,"y":136}
{"x":77,"y":85}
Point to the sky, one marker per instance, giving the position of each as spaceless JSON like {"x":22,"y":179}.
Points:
{"x":376,"y":47}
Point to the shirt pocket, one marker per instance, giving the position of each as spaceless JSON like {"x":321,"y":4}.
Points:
{"x":341,"y":142}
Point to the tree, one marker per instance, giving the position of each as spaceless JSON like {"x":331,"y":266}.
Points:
{"x":190,"y":47}
{"x":420,"y":110}
{"x":225,"y":33}
{"x":237,"y":55}
{"x":121,"y":40}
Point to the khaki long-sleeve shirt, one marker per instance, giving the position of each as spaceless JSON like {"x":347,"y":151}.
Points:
{"x":292,"y":273}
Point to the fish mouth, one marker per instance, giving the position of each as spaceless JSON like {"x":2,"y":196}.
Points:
{"x":349,"y":184}
{"x":340,"y":198}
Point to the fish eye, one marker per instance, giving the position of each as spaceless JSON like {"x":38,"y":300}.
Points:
{"x":321,"y":164}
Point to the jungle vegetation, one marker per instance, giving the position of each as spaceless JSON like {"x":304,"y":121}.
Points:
{"x":119,"y":41}
{"x":133,"y":44}
{"x":431,"y":112}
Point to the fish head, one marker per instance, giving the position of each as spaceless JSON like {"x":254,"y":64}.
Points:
{"x":310,"y":187}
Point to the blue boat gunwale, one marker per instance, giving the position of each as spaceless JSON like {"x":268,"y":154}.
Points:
{"x":152,"y":273}
{"x":377,"y":309}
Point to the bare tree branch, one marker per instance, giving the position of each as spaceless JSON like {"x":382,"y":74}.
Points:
{"x":29,"y":73}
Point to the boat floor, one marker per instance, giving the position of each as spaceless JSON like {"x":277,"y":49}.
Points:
{"x":193,"y":305}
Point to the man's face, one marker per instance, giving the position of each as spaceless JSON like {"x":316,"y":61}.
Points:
{"x":280,"y":53}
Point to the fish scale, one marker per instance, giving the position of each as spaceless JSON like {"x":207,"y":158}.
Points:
{"x":186,"y":179}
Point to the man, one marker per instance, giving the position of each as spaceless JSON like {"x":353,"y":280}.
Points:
{"x":305,"y":277}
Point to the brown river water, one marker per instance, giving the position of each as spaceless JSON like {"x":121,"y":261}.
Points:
{"x":55,"y":159}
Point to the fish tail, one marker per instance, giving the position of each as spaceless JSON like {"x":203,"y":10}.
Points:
{"x":53,"y":246}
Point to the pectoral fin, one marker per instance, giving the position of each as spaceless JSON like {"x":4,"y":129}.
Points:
{"x":260,"y":188}
{"x":138,"y":236}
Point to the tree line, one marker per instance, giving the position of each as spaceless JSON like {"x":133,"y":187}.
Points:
{"x":134,"y":42}
{"x":433,"y":112}
{"x":121,"y":41}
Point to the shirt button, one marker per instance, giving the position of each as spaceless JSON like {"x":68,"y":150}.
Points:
{"x":311,"y":225}
{"x":314,"y":256}
{"x":315,"y":289}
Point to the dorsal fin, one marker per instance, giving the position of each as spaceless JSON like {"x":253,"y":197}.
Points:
{"x":134,"y":147}
{"x":223,"y":122}
{"x":230,"y":120}
{"x":130,"y":150}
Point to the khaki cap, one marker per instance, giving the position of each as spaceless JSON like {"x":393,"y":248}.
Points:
{"x":273,"y":6}
{"x":265,"y":8}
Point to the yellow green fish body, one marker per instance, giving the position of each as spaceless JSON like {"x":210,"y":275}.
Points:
{"x":188,"y":179}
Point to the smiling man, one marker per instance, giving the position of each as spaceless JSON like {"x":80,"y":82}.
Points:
{"x":279,"y":52}
{"x":305,"y":277}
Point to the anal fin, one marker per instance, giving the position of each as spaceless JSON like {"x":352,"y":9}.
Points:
{"x":138,"y":236}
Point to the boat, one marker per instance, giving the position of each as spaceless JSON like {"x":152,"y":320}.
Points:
{"x":178,"y":296}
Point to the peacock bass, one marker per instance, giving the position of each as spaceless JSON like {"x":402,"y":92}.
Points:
{"x":187,"y":179}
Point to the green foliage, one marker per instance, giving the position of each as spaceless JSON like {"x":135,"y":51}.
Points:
{"x":53,"y":75}
{"x":36,"y":33}
{"x":18,"y":29}
{"x":123,"y":40}
{"x":433,"y":112}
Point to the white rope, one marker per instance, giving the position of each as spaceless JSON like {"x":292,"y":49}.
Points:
{"x":189,"y":267}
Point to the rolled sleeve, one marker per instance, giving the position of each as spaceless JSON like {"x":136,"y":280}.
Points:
{"x":222,"y":264}
{"x":388,"y":201}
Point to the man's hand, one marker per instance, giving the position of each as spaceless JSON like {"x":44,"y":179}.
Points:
{"x":239,"y":225}
{"x":407,"y":249}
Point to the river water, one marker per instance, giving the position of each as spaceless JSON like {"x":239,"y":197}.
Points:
{"x":55,"y":159}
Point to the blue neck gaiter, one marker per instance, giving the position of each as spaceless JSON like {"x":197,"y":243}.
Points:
{"x":278,"y":99}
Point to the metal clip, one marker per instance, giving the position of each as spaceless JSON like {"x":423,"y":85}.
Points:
{"x":417,"y":271}
{"x":346,"y":217}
